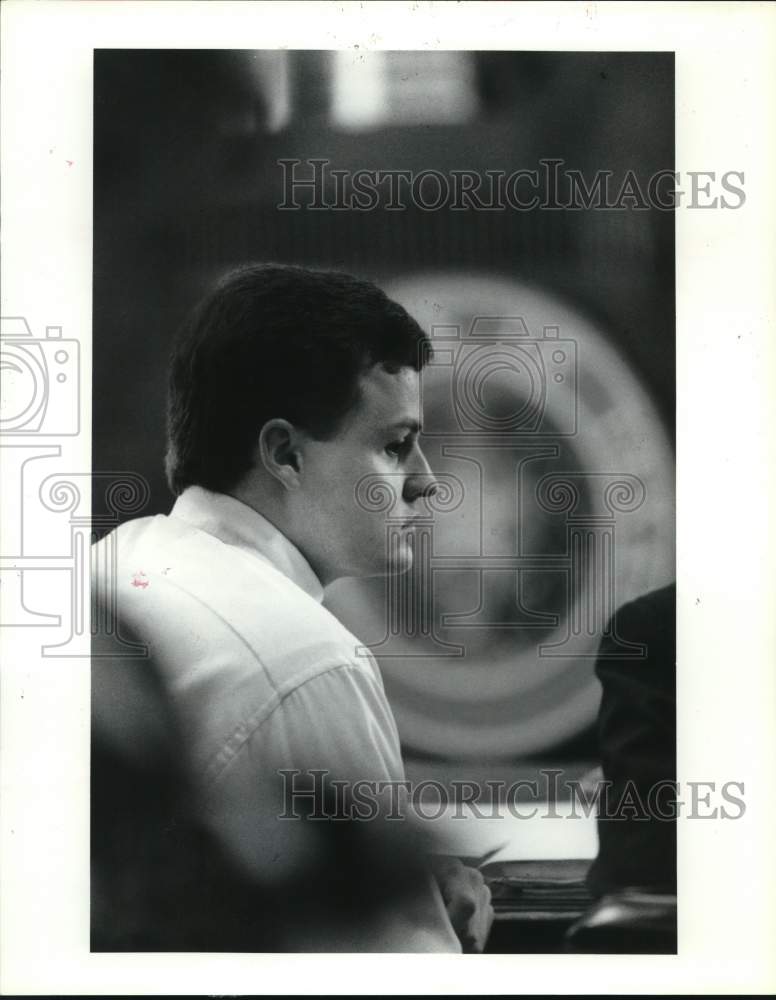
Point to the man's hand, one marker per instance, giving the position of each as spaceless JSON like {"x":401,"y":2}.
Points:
{"x":467,"y":899}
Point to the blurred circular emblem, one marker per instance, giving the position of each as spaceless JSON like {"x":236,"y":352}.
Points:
{"x":562,"y":473}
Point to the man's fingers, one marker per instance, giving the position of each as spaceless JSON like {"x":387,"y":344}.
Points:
{"x":461,"y":910}
{"x":448,"y":872}
{"x":475,"y":935}
{"x":464,"y":895}
{"x":468,"y":902}
{"x":471,"y":912}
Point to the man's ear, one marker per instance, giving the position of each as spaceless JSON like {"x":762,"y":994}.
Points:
{"x":279,"y":451}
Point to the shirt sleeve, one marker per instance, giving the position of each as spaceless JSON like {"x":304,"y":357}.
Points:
{"x":339,"y":723}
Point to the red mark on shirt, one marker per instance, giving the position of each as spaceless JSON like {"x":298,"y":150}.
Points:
{"x":140,"y":580}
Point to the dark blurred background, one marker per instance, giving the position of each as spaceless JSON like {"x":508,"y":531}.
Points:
{"x":187,"y":183}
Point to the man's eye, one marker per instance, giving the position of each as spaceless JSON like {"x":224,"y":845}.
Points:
{"x":397,"y":447}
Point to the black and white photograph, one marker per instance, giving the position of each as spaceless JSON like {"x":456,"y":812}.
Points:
{"x":386,"y":601}
{"x":429,"y":382}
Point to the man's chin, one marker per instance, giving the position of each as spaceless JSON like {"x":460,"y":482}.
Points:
{"x":393,"y":563}
{"x":399,"y":565}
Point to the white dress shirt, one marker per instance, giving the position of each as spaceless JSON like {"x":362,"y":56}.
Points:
{"x":261,"y":678}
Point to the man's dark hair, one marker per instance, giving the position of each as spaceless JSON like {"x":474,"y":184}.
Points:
{"x":274,"y":341}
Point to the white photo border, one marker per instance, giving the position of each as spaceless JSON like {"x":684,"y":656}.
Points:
{"x":725,"y":435}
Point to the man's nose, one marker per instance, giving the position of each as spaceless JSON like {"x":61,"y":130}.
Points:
{"x":421,"y":481}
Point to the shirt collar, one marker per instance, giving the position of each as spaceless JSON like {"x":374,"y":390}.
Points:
{"x":235,"y":523}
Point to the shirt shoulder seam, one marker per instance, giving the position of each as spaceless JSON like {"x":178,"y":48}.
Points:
{"x":244,"y":733}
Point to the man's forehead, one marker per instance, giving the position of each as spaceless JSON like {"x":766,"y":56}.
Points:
{"x":390,"y":398}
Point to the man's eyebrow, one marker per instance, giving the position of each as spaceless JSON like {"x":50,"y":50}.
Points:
{"x":410,"y":423}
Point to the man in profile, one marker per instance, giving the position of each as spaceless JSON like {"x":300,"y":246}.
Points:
{"x":288,"y":388}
